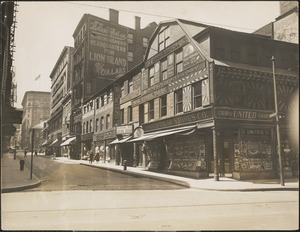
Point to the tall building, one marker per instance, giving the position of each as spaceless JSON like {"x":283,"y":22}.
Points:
{"x":60,"y":112}
{"x":36,"y":109}
{"x":104,"y":50}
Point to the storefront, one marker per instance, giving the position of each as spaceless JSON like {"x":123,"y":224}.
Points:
{"x":67,"y":147}
{"x":86,"y":144}
{"x":102,"y":141}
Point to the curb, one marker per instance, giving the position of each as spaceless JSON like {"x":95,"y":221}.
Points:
{"x":19,"y":188}
{"x":129,"y":173}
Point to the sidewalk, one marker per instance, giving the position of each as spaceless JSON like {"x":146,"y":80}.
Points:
{"x":15,"y":180}
{"x":12,"y":178}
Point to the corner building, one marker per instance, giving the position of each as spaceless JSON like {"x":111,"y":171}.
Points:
{"x":206,"y":99}
{"x":104,"y":50}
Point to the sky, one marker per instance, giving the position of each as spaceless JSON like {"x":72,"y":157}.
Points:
{"x":45,"y":27}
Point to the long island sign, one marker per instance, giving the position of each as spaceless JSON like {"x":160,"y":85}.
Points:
{"x":108,"y":49}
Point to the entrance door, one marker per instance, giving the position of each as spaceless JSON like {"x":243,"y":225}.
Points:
{"x":226,"y":157}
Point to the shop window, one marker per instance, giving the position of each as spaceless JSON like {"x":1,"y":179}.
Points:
{"x":130,"y":38}
{"x":164,"y":39}
{"x":151,"y":76}
{"x":238,"y":94}
{"x":151,"y":110}
{"x":163,"y":106}
{"x":197,"y":92}
{"x":107,"y":121}
{"x":129,"y":111}
{"x":122,"y":116}
{"x":178,"y":61}
{"x":164,"y":69}
{"x":130,"y":85}
{"x":101,"y":123}
{"x":145,"y":42}
{"x":178,"y":101}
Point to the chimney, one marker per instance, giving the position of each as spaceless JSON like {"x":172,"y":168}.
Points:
{"x":114,"y":16}
{"x":137,"y":22}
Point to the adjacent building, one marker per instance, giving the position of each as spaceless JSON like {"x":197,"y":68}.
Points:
{"x":36,"y":109}
{"x":104,"y":50}
{"x":60,"y":113}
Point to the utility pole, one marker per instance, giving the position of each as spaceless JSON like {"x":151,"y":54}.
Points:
{"x":277,"y":124}
{"x":32,"y":140}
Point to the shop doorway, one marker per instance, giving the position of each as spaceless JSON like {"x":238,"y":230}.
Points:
{"x":226,"y":157}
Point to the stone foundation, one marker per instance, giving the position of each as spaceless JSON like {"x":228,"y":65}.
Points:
{"x":253,"y":175}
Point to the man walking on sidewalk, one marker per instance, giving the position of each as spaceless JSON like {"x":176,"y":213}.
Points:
{"x":25,"y":152}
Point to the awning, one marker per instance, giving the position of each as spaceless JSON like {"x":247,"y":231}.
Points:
{"x":55,"y":143}
{"x":45,"y":143}
{"x":68,"y":142}
{"x":157,"y":134}
{"x":120,"y":140}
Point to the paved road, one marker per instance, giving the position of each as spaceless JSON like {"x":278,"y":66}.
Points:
{"x":58,"y":176}
{"x":150,"y":210}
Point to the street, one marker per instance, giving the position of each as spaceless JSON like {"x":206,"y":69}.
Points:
{"x":150,"y":210}
{"x":61,"y":176}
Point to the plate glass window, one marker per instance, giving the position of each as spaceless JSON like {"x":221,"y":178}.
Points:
{"x":178,"y":101}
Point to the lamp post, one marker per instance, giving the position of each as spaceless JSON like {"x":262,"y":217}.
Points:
{"x":277,"y":124}
{"x":32,"y":142}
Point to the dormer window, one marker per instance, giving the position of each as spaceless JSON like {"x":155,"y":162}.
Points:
{"x":164,"y":39}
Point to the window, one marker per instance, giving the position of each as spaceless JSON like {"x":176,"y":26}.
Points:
{"x":91,"y":125}
{"x":130,"y":85}
{"x":141,"y":114}
{"x":164,"y":39}
{"x":130,"y":38}
{"x":129,"y":110}
{"x":238,"y":94}
{"x":235,"y":52}
{"x":101,"y":123}
{"x":197,"y":91}
{"x":164,"y":69}
{"x":219,"y":49}
{"x":107,"y":121}
{"x":122,"y":90}
{"x":109,"y":96}
{"x":151,"y":76}
{"x":252,"y":55}
{"x":83,"y":128}
{"x":87,"y":127}
{"x":178,"y":61}
{"x":178,"y":101}
{"x":145,"y":42}
{"x":122,"y":116}
{"x":151,"y":110}
{"x":130,"y":56}
{"x":163,"y":106}
{"x":102,"y":100}
{"x":97,"y":124}
{"x":97,"y":103}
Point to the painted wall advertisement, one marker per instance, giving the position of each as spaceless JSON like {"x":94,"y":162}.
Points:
{"x":108,"y":49}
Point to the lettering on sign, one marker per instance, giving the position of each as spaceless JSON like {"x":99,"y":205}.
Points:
{"x":124,"y":130}
{"x":108,"y":53}
{"x":179,"y":120}
{"x":242,"y":114}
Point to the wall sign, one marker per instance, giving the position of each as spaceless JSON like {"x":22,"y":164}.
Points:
{"x":124,"y":130}
{"x":180,"y":120}
{"x":242,"y":114}
{"x":108,"y":49}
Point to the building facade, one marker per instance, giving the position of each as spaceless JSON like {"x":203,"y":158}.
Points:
{"x":36,"y":108}
{"x":104,"y":50}
{"x":60,"y":113}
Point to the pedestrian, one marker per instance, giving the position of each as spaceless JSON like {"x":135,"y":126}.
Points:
{"x":97,"y":154}
{"x":25,"y":153}
{"x":91,"y":156}
{"x":35,"y":153}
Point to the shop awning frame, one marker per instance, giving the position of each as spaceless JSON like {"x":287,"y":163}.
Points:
{"x":68,"y":142}
{"x":153,"y":135}
{"x":55,"y":143}
{"x":117,"y":141}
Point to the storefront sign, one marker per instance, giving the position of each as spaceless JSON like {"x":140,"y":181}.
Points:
{"x":255,"y":132}
{"x":179,"y":120}
{"x":87,"y":137}
{"x":242,"y":114}
{"x":108,"y":49}
{"x":104,"y":136}
{"x":124,"y":130}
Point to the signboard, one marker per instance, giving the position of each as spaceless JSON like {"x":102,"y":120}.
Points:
{"x":180,"y":120}
{"x":124,"y":130}
{"x":12,"y":116}
{"x":242,"y":114}
{"x":190,"y":56}
{"x":108,"y":49}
